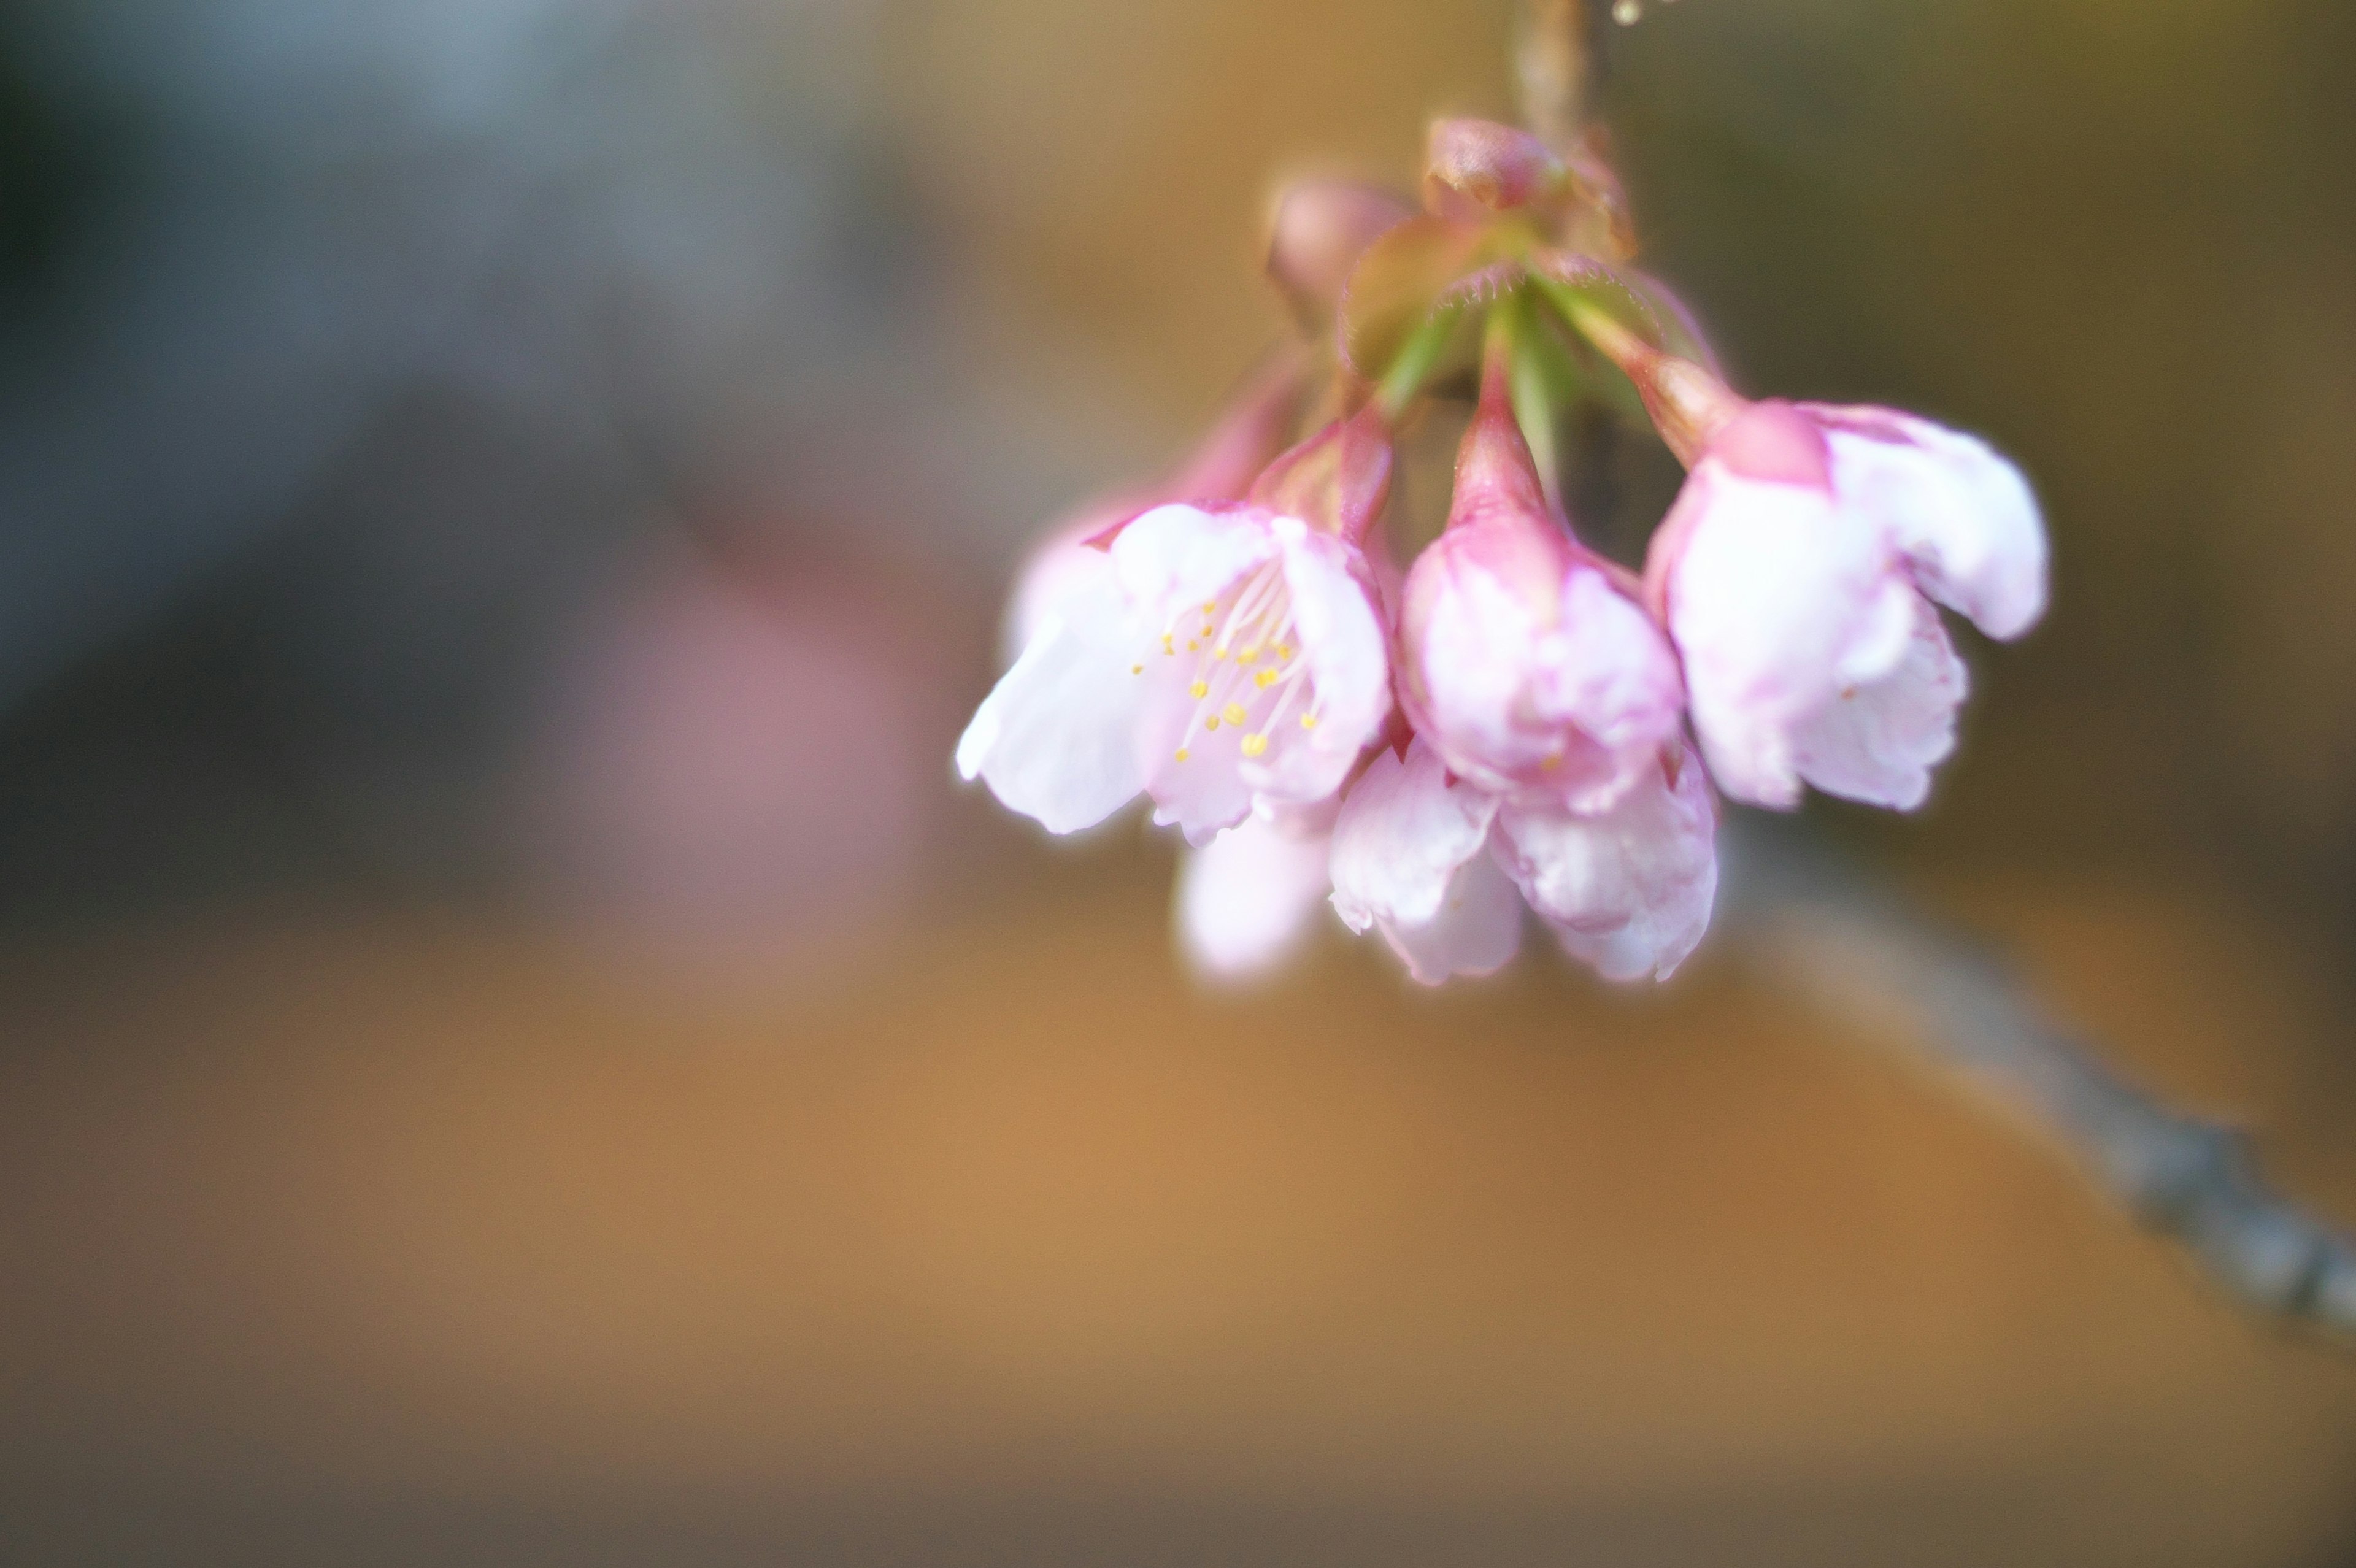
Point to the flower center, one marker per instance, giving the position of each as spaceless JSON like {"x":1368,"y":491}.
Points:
{"x":1247,"y":674}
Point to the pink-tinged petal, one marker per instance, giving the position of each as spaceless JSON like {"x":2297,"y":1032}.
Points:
{"x":1477,"y":931}
{"x":1054,"y":739}
{"x":1527,"y":667}
{"x":1175,"y":558}
{"x":1204,"y":793}
{"x":1247,"y":899}
{"x":1335,"y":611}
{"x":1965,"y":516}
{"x":1876,"y":742}
{"x":1777,"y":598}
{"x":1405,"y":830}
{"x":1065,"y":565}
{"x":1571,"y":708}
{"x":1410,"y":856}
{"x":1630,"y":890}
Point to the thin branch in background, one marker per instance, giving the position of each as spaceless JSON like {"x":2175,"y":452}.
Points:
{"x":1558,"y":60}
{"x":1948,"y":1004}
{"x":1945,"y":1002}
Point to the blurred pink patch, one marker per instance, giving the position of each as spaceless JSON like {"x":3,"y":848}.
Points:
{"x":740,"y":765}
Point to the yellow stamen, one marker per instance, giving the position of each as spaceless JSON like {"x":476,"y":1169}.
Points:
{"x":1309,"y":721}
{"x":1137,"y":669}
{"x":1234,"y":713}
{"x":1183,"y":753}
{"x":1199,"y":691}
{"x":1194,"y":647}
{"x":1284,"y":650}
{"x":1210,"y":606}
{"x":1165,"y":644}
{"x":1248,"y":656}
{"x":1212,"y":722}
{"x":1264,"y":680}
{"x":1255,"y":744}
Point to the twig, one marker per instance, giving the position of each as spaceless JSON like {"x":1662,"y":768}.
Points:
{"x":1556,"y":60}
{"x":1934,"y":993}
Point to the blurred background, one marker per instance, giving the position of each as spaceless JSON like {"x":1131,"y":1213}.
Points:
{"x":512,"y":1050}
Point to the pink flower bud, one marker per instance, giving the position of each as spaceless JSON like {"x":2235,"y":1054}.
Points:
{"x":1792,"y":572}
{"x":1320,"y":229}
{"x":1475,"y":168}
{"x":1525,"y":659}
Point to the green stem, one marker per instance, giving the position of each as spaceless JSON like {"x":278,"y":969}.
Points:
{"x":1415,"y":361}
{"x":1534,"y":408}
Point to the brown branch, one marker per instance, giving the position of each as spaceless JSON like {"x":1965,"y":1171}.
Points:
{"x":1932,"y":994}
{"x":1556,"y":60}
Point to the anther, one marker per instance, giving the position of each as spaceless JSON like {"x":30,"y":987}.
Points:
{"x":1199,"y":691}
{"x":1234,"y":713}
{"x":1264,"y":680}
{"x":1183,"y":753}
{"x":1309,"y":721}
{"x":1255,"y":744}
{"x":1137,"y":669}
{"x":1212,"y":722}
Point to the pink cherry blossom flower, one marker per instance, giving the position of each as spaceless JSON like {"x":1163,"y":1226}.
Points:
{"x":1069,"y":561}
{"x":1525,"y":660}
{"x":1797,"y":571}
{"x":1444,"y":868}
{"x":1235,"y":656}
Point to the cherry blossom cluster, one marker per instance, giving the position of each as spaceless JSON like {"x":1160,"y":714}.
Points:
{"x":1513,"y":722}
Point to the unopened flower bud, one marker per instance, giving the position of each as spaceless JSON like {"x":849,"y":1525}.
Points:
{"x":1473,"y":168}
{"x":1320,"y":229}
{"x":1525,"y":660}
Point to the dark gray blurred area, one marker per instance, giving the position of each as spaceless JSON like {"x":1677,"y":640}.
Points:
{"x":345,"y":350}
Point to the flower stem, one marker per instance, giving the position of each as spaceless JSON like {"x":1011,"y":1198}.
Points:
{"x":1415,"y":361}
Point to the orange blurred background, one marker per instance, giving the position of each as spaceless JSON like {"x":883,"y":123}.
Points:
{"x":513,"y":1049}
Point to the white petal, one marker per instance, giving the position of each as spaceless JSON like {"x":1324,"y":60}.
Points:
{"x":1175,"y":558}
{"x":1348,"y":655}
{"x":1963,"y":515}
{"x":1244,"y":900}
{"x":1629,"y":891}
{"x":1403,"y":834}
{"x":1054,"y":738}
{"x":1777,"y":590}
{"x":1476,"y":932}
{"x":1061,"y":567}
{"x":1410,"y":856}
{"x":1879,"y":743}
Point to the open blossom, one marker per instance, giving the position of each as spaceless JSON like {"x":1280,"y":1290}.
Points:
{"x":1233,"y":658}
{"x":1070,"y":558}
{"x":1525,"y":660}
{"x":1797,"y":572}
{"x":1443,"y":869}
